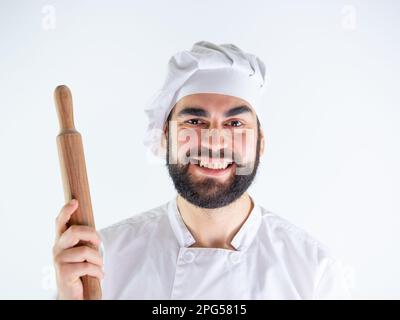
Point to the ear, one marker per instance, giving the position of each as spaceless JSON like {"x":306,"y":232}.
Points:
{"x":164,"y":138}
{"x":262,"y":142}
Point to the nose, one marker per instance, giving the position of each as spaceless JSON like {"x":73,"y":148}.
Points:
{"x":215,"y":138}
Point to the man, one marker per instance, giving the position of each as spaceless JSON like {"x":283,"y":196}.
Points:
{"x":211,"y":241}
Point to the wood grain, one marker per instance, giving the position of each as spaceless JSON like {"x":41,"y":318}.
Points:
{"x":74,"y":175}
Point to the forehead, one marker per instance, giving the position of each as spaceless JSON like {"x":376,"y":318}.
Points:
{"x":212,"y":102}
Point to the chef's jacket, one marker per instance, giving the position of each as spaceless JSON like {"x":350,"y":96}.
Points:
{"x":148,"y":256}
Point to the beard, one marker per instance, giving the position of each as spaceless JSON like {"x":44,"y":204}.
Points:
{"x":209,"y":193}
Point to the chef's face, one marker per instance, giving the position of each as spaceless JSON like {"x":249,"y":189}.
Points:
{"x":213,"y":147}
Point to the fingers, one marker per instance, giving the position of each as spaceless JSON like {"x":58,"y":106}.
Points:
{"x":64,"y":216}
{"x":72,"y":272}
{"x":79,"y":254}
{"x":73,"y":262}
{"x":76,"y":233}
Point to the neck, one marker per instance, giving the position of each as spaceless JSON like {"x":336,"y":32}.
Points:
{"x":215,"y":228}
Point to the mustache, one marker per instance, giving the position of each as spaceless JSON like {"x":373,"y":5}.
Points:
{"x":193,"y":155}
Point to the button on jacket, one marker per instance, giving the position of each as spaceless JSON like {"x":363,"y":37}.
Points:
{"x":149,"y":256}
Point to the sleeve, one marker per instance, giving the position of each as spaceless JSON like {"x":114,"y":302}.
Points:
{"x":333,"y":280}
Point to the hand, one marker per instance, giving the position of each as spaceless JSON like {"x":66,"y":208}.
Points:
{"x":71,"y":262}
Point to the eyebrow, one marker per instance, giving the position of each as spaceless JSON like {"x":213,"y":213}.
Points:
{"x":200,"y":112}
{"x":193,"y":111}
{"x":237,"y":110}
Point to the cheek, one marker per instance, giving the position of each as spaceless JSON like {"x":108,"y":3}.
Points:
{"x":187,"y":139}
{"x":245,"y":144}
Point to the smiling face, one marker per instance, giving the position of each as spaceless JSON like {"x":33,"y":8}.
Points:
{"x":213,"y":149}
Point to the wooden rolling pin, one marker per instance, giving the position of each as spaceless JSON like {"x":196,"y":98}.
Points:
{"x":74,"y":176}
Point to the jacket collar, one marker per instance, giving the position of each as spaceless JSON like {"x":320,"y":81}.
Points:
{"x":241,"y":240}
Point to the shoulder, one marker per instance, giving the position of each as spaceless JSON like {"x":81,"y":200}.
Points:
{"x":293,"y":244}
{"x":281,"y":229}
{"x":302,"y":251}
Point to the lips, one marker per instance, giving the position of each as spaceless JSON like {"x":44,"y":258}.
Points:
{"x":214,"y":165}
{"x":216,"y":168}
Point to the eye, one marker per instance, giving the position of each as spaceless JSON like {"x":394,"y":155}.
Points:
{"x":194,"y":122}
{"x":234,"y":123}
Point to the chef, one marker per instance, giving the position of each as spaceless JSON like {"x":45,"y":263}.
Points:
{"x":212,"y":240}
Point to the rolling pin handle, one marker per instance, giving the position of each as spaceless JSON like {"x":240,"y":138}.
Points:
{"x":63,"y":98}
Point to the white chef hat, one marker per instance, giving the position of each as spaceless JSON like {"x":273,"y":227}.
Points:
{"x":206,"y":68}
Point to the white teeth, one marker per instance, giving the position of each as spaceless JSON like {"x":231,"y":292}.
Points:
{"x":214,"y":165}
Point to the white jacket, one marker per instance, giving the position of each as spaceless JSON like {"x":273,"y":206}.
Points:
{"x":148,"y":257}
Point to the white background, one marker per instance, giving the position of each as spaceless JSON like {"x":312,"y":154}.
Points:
{"x":331,"y":118}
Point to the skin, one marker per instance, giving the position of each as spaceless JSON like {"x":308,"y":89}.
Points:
{"x":72,"y":263}
{"x":212,"y":228}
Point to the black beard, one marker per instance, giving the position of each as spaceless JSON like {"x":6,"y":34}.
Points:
{"x":209,"y":193}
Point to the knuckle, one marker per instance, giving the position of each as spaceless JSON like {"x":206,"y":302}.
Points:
{"x":74,"y":232}
{"x":56,"y":258}
{"x":86,"y":267}
{"x":84,"y":250}
{"x":97,"y":235}
{"x":74,"y":229}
